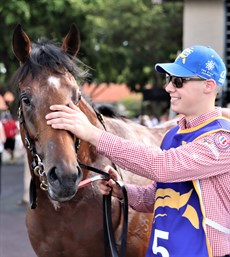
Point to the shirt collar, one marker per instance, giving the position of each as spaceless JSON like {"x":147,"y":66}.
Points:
{"x":183,"y":124}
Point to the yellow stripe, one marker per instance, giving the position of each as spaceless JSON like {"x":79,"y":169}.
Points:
{"x":211,"y":132}
{"x":204,"y":217}
{"x":184,"y":131}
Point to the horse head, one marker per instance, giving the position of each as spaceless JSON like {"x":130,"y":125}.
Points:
{"x":48,"y":75}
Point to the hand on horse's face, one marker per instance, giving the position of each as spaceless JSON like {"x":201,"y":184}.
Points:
{"x":105,"y":186}
{"x":71,"y":118}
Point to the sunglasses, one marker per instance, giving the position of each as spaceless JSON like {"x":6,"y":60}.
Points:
{"x":178,"y":81}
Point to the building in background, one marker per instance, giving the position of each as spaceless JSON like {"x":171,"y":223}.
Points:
{"x":207,"y":22}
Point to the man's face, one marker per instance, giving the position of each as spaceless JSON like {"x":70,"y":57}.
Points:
{"x":188,"y":99}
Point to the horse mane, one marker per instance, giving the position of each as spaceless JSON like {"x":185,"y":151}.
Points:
{"x":110,"y":111}
{"x":50,"y":55}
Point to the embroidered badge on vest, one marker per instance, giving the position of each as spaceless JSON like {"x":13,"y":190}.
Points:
{"x":222,"y":140}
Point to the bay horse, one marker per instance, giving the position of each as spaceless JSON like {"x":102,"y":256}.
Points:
{"x":65,"y":219}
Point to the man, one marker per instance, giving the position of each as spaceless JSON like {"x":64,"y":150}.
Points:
{"x":190,"y":193}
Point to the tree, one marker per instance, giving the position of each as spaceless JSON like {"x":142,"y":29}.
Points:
{"x":121,"y":40}
{"x":128,"y":37}
{"x":50,"y":19}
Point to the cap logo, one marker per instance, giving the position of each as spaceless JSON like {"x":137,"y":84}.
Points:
{"x":210,"y":65}
{"x":222,"y":77}
{"x":185,"y":54}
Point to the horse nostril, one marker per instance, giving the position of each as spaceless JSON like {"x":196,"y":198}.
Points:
{"x":53,"y":178}
{"x":67,"y":181}
{"x":74,"y":177}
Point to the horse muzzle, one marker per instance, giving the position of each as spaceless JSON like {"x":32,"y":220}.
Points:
{"x":62,"y":186}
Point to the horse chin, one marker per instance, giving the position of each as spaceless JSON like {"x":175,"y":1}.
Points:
{"x":60,"y":199}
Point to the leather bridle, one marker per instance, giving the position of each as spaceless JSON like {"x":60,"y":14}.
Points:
{"x":38,"y":170}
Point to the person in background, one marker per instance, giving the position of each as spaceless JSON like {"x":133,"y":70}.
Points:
{"x":190,"y":191}
{"x":145,"y":120}
{"x":164,"y":117}
{"x":154,"y":120}
{"x":11,"y":130}
{"x":2,"y":142}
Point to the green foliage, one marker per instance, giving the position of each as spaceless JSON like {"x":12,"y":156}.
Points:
{"x":132,"y":106}
{"x":121,"y":40}
{"x":131,"y":36}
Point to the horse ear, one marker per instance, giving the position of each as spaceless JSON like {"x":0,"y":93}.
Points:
{"x":71,"y":43}
{"x":21,"y":44}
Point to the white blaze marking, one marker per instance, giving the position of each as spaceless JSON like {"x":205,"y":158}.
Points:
{"x":54,"y":81}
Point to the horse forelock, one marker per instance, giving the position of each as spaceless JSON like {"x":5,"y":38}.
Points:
{"x":50,"y":56}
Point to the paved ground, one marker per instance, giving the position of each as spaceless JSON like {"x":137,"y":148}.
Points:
{"x":14,"y":241}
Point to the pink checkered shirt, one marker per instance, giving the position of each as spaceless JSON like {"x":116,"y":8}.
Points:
{"x":203,"y":159}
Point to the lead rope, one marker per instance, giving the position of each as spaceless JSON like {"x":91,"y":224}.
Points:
{"x":109,"y":240}
{"x":107,"y":217}
{"x":109,"y":237}
{"x":108,"y":226}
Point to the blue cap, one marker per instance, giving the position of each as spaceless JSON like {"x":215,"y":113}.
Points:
{"x":201,"y":61}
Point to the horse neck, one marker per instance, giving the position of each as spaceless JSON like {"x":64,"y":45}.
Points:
{"x":87,"y":153}
{"x":88,"y":110}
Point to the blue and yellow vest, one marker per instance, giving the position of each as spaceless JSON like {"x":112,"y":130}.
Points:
{"x":178,"y":228}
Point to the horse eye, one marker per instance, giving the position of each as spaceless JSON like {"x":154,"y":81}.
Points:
{"x":26,"y":100}
{"x":79,"y":97}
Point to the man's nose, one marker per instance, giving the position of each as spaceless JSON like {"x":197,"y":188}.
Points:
{"x":169,"y":87}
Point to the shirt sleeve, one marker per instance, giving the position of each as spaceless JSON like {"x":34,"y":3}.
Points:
{"x":141,"y":198}
{"x":196,"y":160}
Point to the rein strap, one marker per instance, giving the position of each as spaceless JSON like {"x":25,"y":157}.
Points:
{"x":107,"y":213}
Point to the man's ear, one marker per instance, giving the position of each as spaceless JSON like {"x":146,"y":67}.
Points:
{"x":210,"y":86}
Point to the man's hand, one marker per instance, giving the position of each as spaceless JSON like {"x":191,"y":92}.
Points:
{"x":71,"y":118}
{"x":107,"y":186}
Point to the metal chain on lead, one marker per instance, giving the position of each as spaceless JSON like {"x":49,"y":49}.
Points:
{"x":40,"y":172}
